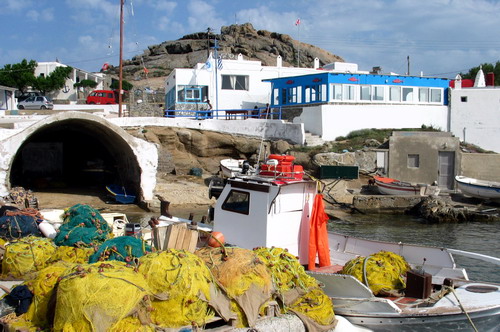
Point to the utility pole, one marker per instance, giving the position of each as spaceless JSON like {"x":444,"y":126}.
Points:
{"x":408,"y":61}
{"x":120,"y":80}
{"x":208,"y":41}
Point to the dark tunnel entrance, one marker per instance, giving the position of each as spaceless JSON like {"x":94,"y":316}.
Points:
{"x":77,"y":155}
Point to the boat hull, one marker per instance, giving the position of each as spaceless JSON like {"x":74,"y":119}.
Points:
{"x":487,"y":320}
{"x":478,"y":188}
{"x":387,"y":186}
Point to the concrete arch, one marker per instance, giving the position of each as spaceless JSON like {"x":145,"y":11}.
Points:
{"x":69,"y":146}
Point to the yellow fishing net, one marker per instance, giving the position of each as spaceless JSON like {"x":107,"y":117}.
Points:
{"x":73,"y":254}
{"x":41,"y":310}
{"x":244,"y":277}
{"x":384,"y":271}
{"x":290,"y":277}
{"x":27,"y":255}
{"x":97,"y":296}
{"x":180,"y":282}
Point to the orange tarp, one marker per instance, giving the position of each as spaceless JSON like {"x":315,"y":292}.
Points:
{"x":318,"y":235}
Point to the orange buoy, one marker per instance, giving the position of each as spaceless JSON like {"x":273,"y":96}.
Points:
{"x":216,"y":239}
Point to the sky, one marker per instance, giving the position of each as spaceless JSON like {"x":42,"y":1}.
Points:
{"x":440,"y":38}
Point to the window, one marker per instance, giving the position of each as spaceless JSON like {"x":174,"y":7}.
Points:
{"x":237,"y":201}
{"x":463,"y":99}
{"x":364,"y":93}
{"x":413,"y":161}
{"x":192,"y":93}
{"x":395,"y":93}
{"x":336,"y":92}
{"x":348,"y":92}
{"x":378,"y":93}
{"x":436,"y":95}
{"x":423,"y":95}
{"x":234,"y":82}
{"x":407,"y":94}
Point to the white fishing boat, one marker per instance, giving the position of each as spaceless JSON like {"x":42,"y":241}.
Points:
{"x":278,"y":207}
{"x":478,"y":188}
{"x":233,"y":167}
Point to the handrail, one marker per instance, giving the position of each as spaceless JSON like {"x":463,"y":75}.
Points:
{"x":486,"y":258}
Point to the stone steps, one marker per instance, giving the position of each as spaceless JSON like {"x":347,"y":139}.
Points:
{"x":313,"y":140}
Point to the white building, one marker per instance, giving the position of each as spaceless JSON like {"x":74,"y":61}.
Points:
{"x":475,"y":113}
{"x":69,"y":92}
{"x":7,"y":99}
{"x":235,"y":84}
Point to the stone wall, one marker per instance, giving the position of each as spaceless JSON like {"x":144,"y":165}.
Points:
{"x":483,"y":166}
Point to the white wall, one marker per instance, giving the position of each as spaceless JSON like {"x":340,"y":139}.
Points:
{"x":340,"y":120}
{"x":477,"y":120}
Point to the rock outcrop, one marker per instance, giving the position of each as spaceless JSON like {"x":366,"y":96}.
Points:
{"x":243,"y":39}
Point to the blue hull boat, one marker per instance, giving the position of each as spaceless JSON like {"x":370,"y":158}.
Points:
{"x":120,"y":194}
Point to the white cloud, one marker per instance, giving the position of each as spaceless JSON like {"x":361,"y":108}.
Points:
{"x":16,"y":5}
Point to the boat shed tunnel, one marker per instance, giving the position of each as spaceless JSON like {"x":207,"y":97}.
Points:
{"x":81,"y":152}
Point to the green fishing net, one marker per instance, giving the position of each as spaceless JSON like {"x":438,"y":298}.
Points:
{"x":83,"y":226}
{"x":123,"y":248}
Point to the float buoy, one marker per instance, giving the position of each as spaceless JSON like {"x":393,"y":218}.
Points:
{"x":216,"y":239}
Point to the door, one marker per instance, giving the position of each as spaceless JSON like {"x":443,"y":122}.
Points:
{"x":446,"y":169}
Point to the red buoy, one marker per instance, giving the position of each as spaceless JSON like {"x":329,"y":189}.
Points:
{"x":216,"y":239}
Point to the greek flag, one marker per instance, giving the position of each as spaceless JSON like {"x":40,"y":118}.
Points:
{"x":219,"y":63}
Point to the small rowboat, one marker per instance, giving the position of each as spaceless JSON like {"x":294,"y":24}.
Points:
{"x":388,"y":186}
{"x":121,"y":194}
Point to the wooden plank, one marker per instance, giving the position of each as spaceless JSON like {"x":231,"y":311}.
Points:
{"x":159,"y":236}
{"x":180,"y":238}
{"x":172,"y":235}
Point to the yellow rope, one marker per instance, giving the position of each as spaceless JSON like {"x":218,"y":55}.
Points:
{"x":462,"y":307}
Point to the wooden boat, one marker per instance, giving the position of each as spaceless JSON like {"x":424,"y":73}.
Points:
{"x":277,"y":202}
{"x":388,"y":186}
{"x":120,"y":194}
{"x":478,"y":188}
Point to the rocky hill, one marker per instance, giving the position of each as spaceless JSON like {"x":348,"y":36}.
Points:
{"x":242,"y":39}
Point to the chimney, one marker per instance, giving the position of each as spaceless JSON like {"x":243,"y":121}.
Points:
{"x":316,"y":63}
{"x":279,"y":61}
{"x":458,"y":82}
{"x":490,"y":79}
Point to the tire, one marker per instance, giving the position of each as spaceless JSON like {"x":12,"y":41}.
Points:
{"x":21,"y":107}
{"x":43,"y":107}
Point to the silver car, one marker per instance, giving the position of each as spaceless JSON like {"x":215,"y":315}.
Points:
{"x":36,"y":103}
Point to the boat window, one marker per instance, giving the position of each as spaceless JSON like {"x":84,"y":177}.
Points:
{"x":413,"y":161}
{"x":237,"y":201}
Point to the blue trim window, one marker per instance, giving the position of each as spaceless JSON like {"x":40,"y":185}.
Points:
{"x":191,"y":93}
{"x":436,"y":96}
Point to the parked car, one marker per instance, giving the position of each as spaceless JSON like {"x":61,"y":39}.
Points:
{"x":36,"y":103}
{"x":102,"y":97}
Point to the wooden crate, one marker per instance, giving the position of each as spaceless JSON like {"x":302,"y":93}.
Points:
{"x":179,"y":236}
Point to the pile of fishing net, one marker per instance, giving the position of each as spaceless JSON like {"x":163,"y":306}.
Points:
{"x":243,"y":277}
{"x":83,"y":226}
{"x":382,"y":272}
{"x":27,"y":255}
{"x":123,"y":248}
{"x":296,"y":290}
{"x":255,"y":280}
{"x":16,"y":224}
{"x":181,"y":284}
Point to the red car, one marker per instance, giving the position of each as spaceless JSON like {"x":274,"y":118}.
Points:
{"x":102,"y":97}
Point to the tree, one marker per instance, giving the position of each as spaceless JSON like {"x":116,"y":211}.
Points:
{"x":19,"y":75}
{"x":53,"y":81}
{"x":85,"y":84}
{"x":487,"y":68}
{"x":125,"y":85}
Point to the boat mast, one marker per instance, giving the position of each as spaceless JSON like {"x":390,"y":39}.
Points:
{"x":120,"y":82}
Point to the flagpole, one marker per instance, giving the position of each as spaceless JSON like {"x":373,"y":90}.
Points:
{"x":216,"y":47}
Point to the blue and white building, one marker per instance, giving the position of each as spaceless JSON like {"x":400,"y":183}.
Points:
{"x":336,"y":103}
